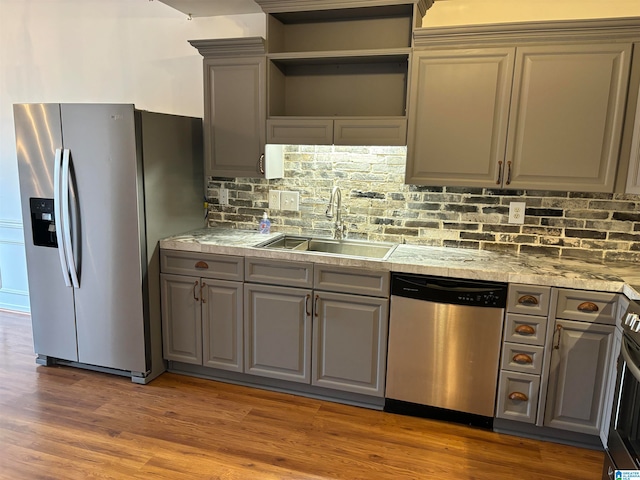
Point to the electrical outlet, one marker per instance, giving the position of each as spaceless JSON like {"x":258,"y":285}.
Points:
{"x":224,"y":196}
{"x":274,"y":199}
{"x":516,"y":212}
{"x":290,"y":201}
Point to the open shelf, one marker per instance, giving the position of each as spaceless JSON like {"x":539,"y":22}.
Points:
{"x":341,"y":29}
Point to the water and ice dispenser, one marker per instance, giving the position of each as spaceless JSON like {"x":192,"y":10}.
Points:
{"x":43,"y":222}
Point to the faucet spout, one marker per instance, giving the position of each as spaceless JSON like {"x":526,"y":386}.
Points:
{"x":335,"y":207}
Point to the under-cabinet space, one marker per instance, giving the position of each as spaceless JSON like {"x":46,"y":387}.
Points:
{"x":340,"y":29}
{"x":338,"y":86}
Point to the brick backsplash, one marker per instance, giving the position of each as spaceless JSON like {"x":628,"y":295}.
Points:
{"x":377,"y":205}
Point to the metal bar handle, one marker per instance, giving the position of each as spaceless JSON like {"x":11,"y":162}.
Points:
{"x":261,"y":164}
{"x":499,"y":181}
{"x":509,"y":172}
{"x":202,"y":285}
{"x":58,"y":217}
{"x":194,"y":291}
{"x":66,"y":219}
{"x":559,"y":332}
{"x":631,"y":364}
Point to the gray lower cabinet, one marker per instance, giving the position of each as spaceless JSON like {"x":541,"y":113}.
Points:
{"x":202,"y":309}
{"x":350,"y":342}
{"x":301,"y":326}
{"x":578,"y":376}
{"x":278,"y":332}
{"x":202,"y":321}
{"x":523,"y":353}
{"x":181,"y":318}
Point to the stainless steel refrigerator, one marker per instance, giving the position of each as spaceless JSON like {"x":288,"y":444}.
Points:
{"x":100,"y":185}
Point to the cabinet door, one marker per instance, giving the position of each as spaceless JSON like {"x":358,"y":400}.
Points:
{"x":633,"y":178}
{"x":234,"y":116}
{"x":578,"y":376}
{"x":566,"y":116}
{"x":181,"y":318}
{"x":458,"y":116}
{"x":277,"y":324}
{"x":222,"y":324}
{"x":349,"y":342}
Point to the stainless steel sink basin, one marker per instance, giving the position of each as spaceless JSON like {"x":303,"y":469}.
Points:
{"x":351,"y":248}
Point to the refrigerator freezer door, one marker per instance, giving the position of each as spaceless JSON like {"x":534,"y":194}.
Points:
{"x":107,"y":211}
{"x":38,"y":135}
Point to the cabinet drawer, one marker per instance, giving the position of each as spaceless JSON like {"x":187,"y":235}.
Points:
{"x":528,"y":299}
{"x":522,"y":358}
{"x":350,"y":280}
{"x":207,"y":265}
{"x":594,"y":307}
{"x":527,"y":329}
{"x":299,"y":131}
{"x":279,"y":272}
{"x":392,"y":131}
{"x":518,"y":396}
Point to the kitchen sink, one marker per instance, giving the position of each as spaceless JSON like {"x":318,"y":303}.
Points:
{"x":351,"y":248}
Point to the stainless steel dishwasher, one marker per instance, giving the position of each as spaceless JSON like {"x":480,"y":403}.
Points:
{"x":444,"y":348}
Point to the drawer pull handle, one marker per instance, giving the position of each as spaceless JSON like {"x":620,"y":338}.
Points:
{"x":203,"y":285}
{"x":202,"y":264}
{"x":522,"y":358}
{"x":588,"y":307}
{"x":306,"y":305}
{"x":528,"y":300}
{"x":525,"y":330}
{"x":518,"y":396}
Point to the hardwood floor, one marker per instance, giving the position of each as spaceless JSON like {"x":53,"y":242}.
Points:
{"x":67,"y":423}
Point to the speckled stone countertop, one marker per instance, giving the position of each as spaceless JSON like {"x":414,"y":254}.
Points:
{"x":440,"y":261}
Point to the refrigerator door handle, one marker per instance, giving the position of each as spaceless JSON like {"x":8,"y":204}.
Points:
{"x":58,"y":217}
{"x":66,"y":219}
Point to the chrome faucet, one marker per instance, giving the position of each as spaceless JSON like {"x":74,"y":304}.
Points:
{"x":336,"y":202}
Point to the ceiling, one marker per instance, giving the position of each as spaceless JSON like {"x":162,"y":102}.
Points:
{"x":212,"y":8}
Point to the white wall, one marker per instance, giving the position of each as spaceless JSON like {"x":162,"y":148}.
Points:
{"x":99,"y":51}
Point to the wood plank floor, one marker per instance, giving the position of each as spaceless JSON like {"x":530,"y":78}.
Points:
{"x":67,"y":423}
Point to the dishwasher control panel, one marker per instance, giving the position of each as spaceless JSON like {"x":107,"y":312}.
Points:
{"x":449,"y":290}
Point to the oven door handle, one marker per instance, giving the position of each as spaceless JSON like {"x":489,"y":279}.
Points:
{"x":631,"y":364}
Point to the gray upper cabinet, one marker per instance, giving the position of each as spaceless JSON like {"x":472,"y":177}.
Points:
{"x":526,"y":106}
{"x":566,"y":116}
{"x":337,"y":70}
{"x":458,"y":116}
{"x":633,"y":180}
{"x":235,"y":109}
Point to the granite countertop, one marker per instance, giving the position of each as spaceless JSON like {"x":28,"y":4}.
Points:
{"x":440,"y":261}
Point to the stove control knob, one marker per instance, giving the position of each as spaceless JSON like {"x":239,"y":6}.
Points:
{"x":630,"y":318}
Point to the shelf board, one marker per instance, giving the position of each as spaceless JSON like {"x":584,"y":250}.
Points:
{"x":341,"y":57}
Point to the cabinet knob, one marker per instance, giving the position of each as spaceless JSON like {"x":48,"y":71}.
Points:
{"x":525,"y":330}
{"x":522,"y":358}
{"x":518,"y":396}
{"x":588,"y":307}
{"x":202,"y":264}
{"x":528,"y":300}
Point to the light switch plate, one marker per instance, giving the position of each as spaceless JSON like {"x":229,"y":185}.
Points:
{"x":224,"y":196}
{"x":290,"y":201}
{"x":274,"y":199}
{"x":516,"y":212}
